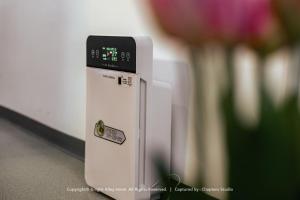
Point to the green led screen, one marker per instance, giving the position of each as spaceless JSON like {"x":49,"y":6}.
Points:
{"x":109,"y":54}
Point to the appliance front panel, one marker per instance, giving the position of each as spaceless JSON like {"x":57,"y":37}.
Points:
{"x":112,"y":131}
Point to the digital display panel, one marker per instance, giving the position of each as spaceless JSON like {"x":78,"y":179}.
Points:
{"x":109,"y":52}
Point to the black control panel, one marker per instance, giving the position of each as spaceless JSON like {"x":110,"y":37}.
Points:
{"x":111,"y":52}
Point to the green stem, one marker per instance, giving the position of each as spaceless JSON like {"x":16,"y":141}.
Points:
{"x":230,"y":69}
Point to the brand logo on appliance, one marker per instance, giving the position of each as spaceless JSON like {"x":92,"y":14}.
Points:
{"x":109,"y":133}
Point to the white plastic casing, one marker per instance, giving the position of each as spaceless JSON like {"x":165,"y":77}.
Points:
{"x":176,"y":74}
{"x":144,"y":118}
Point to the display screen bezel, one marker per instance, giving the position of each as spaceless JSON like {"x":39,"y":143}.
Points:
{"x":125,"y":46}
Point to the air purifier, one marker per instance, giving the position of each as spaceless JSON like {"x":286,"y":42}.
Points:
{"x":128,"y":117}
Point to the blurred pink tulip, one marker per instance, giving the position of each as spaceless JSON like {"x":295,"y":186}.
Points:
{"x":230,"y":21}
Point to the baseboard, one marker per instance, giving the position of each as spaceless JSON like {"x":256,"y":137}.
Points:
{"x":66,"y":142}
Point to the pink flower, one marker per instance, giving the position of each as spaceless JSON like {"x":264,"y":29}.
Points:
{"x":229,"y":21}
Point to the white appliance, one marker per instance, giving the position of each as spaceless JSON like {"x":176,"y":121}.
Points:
{"x":128,"y":117}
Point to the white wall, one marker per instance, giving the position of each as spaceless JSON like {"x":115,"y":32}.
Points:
{"x":42,"y":53}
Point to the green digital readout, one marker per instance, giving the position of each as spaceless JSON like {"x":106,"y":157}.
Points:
{"x":109,"y":54}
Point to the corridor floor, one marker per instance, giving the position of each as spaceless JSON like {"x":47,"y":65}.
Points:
{"x":33,"y":169}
